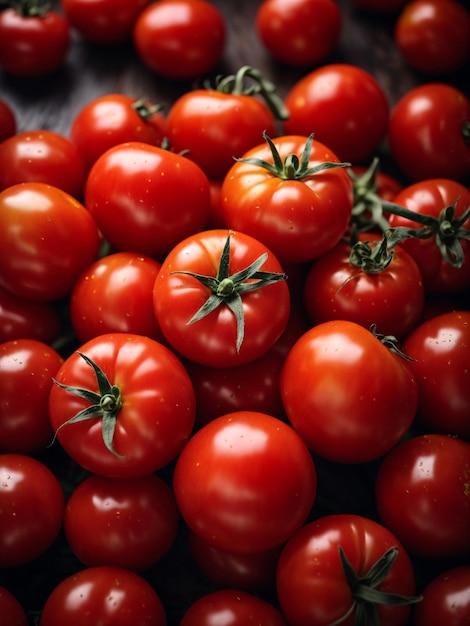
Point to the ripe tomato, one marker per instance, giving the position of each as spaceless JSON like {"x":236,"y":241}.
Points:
{"x":423,"y":495}
{"x":104,"y":594}
{"x":285,"y":193}
{"x":245,"y":482}
{"x":31,"y":509}
{"x":433,"y":36}
{"x":299,"y":33}
{"x":428,"y":133}
{"x":7,"y":120}
{"x":42,"y":156}
{"x":314,"y":588}
{"x":140,"y":406}
{"x":146,"y":199}
{"x":11,"y":610}
{"x":235,"y":313}
{"x":48,"y":239}
{"x":344,"y":106}
{"x":180,"y":39}
{"x":446,"y":599}
{"x":32,"y":42}
{"x":349,"y":396}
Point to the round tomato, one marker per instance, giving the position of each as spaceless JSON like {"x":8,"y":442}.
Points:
{"x":344,"y":106}
{"x":446,"y":599}
{"x":349,"y":395}
{"x":245,"y":482}
{"x":105,"y":595}
{"x":48,"y":239}
{"x":123,"y":406}
{"x":11,"y":610}
{"x":180,"y":39}
{"x":31,"y":509}
{"x":423,"y":495}
{"x":7,"y":121}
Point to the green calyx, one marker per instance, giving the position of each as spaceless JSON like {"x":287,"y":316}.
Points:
{"x":105,"y":405}
{"x":144,"y":109}
{"x":227,"y":289}
{"x":31,"y":8}
{"x":367,"y":213}
{"x":390,"y":342}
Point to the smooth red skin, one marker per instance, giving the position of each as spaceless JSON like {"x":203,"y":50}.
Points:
{"x":180,"y":39}
{"x":26,"y":370}
{"x":430,"y":197}
{"x":110,"y":120}
{"x":32,"y":46}
{"x":425,"y":133}
{"x":157,"y":414}
{"x":7,"y":121}
{"x":103,"y":22}
{"x":11,"y":610}
{"x":439,"y":348}
{"x":128,"y":523}
{"x":48,"y":239}
{"x":335,"y":399}
{"x":146,"y":199}
{"x":446,"y":599}
{"x":211,"y":341}
{"x":106,"y":595}
{"x":215,"y":127}
{"x":433,"y":36}
{"x":423,"y":495}
{"x":42,"y":156}
{"x":299,"y":220}
{"x":31,"y":509}
{"x":311,"y":585}
{"x":245,"y":482}
{"x":392,"y":299}
{"x":344,"y":106}
{"x":237,"y":607}
{"x":312,"y":26}
{"x":115,"y":294}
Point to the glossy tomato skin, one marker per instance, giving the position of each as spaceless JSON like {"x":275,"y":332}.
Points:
{"x":344,"y":106}
{"x":7,"y":120}
{"x":446,"y":599}
{"x":439,"y":349}
{"x":180,"y":39}
{"x":157,"y":413}
{"x":53,"y":235}
{"x":298,"y":219}
{"x":311,"y":584}
{"x":245,"y":482}
{"x":114,"y":595}
{"x":31,"y":509}
{"x":423,"y":495}
{"x":335,"y":399}
{"x":11,"y":610}
{"x":215,"y":127}
{"x":425,"y":132}
{"x":146,"y":199}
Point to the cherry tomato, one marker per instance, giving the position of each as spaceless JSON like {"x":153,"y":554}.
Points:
{"x":11,"y":610}
{"x":7,"y":120}
{"x":446,"y":599}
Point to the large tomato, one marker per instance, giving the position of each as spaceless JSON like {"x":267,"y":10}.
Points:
{"x":446,"y":599}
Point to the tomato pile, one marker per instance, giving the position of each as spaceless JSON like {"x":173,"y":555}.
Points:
{"x":234,"y":329}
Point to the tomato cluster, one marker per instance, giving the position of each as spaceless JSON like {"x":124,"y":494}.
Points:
{"x":234,"y":328}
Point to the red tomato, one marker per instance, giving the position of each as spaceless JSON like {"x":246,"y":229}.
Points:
{"x":246,"y":312}
{"x":299,"y":33}
{"x":238,"y":608}
{"x":439,"y":348}
{"x":42,"y":156}
{"x":103,"y":21}
{"x":103,"y":594}
{"x":31,"y":509}
{"x":283,"y":193}
{"x":344,"y":106}
{"x":27,"y":367}
{"x":180,"y":39}
{"x":32,"y":43}
{"x":114,"y":294}
{"x":48,"y":239}
{"x":112,"y":119}
{"x":428,"y":132}
{"x":11,"y":610}
{"x":433,"y":36}
{"x":128,"y":523}
{"x":245,"y":482}
{"x":146,"y":199}
{"x":423,"y":495}
{"x":141,"y":410}
{"x":446,"y":599}
{"x":7,"y":121}
{"x":349,"y":396}
{"x":314,"y":589}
